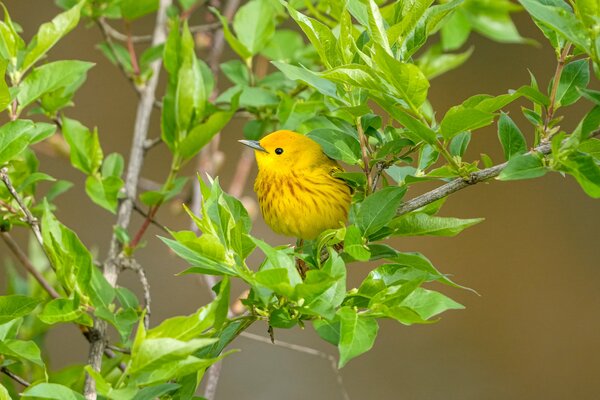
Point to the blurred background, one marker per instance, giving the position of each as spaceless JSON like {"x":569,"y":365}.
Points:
{"x":532,"y":332}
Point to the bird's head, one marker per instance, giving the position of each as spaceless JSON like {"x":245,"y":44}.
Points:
{"x":285,"y":150}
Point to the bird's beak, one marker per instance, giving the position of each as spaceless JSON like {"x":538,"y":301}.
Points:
{"x":253,"y":144}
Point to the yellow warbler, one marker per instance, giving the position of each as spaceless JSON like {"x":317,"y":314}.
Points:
{"x":296,"y":190}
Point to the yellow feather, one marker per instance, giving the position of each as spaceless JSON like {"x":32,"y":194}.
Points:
{"x":297,"y":193}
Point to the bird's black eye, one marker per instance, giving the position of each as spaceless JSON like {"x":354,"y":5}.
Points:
{"x":278,"y":150}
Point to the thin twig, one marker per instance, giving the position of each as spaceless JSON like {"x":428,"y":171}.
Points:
{"x":557,"y":73}
{"x":115,"y":34}
{"x":461,"y":183}
{"x":242,"y":171}
{"x":33,"y":223}
{"x":207,"y":163}
{"x":305,"y":350}
{"x":26,"y":263}
{"x":154,"y":222}
{"x":131,"y":49}
{"x":118,"y":349}
{"x":364,"y":152}
{"x":136,"y":158}
{"x":107,"y":37}
{"x":14,"y":377}
{"x":141,"y":272}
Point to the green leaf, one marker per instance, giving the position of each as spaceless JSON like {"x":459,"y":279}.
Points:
{"x":378,"y":209}
{"x":323,"y":86}
{"x":421,"y":130}
{"x":357,"y":334}
{"x":328,"y":331}
{"x":49,"y":34}
{"x":255,"y":35}
{"x":587,"y":173}
{"x":455,"y":31}
{"x":559,"y":19}
{"x":408,"y":80}
{"x":4,"y":92}
{"x":123,"y":320}
{"x":70,"y":258}
{"x":203,"y":133}
{"x":152,"y":353}
{"x":113,"y":165}
{"x":459,"y":119}
{"x":512,"y":140}
{"x":337,"y":145}
{"x":523,"y":166}
{"x":354,"y":244}
{"x":22,"y":350}
{"x":15,"y":136}
{"x":321,"y":37}
{"x":459,"y":144}
{"x":51,"y":391}
{"x":285,"y":45}
{"x":190,"y":95}
{"x":134,"y":9}
{"x":201,"y":263}
{"x":104,"y":191}
{"x":575,"y":76}
{"x":429,"y":303}
{"x":235,"y":44}
{"x":153,"y":392}
{"x":64,"y":310}
{"x":15,"y":306}
{"x":420,"y":224}
{"x":86,"y":153}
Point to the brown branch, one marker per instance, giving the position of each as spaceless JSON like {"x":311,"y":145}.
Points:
{"x":26,"y":263}
{"x":131,"y":49}
{"x":364,"y":152}
{"x":33,"y":223}
{"x":555,"y":80}
{"x":14,"y":377}
{"x":154,"y":222}
{"x":136,"y":158}
{"x":305,"y":350}
{"x":461,"y":183}
{"x":115,"y":34}
{"x":242,"y":171}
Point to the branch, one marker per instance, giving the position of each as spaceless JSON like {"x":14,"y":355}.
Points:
{"x":29,"y":218}
{"x":557,"y":73}
{"x":142,"y":122}
{"x":26,"y":263}
{"x":115,"y":34}
{"x":461,"y":183}
{"x":15,"y":377}
{"x":305,"y":350}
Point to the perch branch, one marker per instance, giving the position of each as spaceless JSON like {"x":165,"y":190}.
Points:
{"x":117,"y":35}
{"x":461,"y":183}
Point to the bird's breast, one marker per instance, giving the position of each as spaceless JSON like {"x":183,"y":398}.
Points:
{"x":302,"y":204}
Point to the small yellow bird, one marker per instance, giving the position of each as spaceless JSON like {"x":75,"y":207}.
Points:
{"x":296,"y":189}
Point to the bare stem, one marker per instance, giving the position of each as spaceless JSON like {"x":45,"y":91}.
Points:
{"x":557,"y":73}
{"x":131,"y":49}
{"x":33,"y":223}
{"x":305,"y":350}
{"x":14,"y":377}
{"x":26,"y":263}
{"x":115,"y":34}
{"x":136,"y":158}
{"x":461,"y":183}
{"x":365,"y":155}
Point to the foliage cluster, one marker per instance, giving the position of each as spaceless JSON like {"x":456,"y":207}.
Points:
{"x":354,"y":77}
